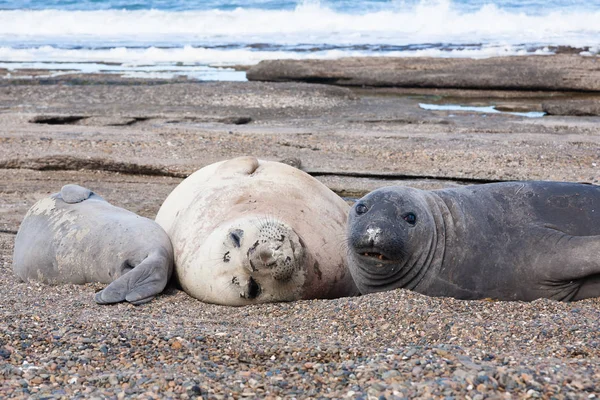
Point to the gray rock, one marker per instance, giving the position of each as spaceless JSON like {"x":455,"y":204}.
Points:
{"x":572,"y":107}
{"x":293,"y":161}
{"x":558,"y":72}
{"x":467,"y":363}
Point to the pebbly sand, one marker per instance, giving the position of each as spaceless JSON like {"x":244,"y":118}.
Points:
{"x":132,"y":141}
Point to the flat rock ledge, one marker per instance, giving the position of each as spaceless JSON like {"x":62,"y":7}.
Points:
{"x":563,"y":72}
{"x":59,"y":162}
{"x":579,"y":108}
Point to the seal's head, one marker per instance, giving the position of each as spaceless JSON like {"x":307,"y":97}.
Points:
{"x":389,"y":234}
{"x":248,"y":260}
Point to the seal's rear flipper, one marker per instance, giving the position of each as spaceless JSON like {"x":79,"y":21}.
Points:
{"x":74,"y":193}
{"x":141,"y":284}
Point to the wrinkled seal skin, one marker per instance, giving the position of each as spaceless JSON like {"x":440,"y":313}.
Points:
{"x":506,"y":241}
{"x":75,"y":236}
{"x":246,"y":231}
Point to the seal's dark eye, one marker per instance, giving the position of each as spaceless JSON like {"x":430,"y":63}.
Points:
{"x":410,"y":218}
{"x":361,"y":208}
{"x":236,"y":237}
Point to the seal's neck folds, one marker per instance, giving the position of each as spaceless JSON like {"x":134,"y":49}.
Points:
{"x":424,"y":265}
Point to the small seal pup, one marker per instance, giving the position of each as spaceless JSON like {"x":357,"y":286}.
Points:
{"x":506,"y":241}
{"x":76,"y":236}
{"x":247,"y":231}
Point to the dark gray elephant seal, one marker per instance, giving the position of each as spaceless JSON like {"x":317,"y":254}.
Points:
{"x":75,"y":236}
{"x":506,"y":241}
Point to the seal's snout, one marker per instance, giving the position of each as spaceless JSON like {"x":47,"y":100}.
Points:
{"x":369,"y":228}
{"x":373,"y":235}
{"x":369,"y":237}
{"x":275,"y":257}
{"x":372,"y":243}
{"x":278,"y":251}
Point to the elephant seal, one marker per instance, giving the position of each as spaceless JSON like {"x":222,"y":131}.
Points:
{"x":247,"y":231}
{"x":76,"y":236}
{"x":506,"y":241}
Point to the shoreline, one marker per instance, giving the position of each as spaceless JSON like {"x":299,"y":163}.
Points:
{"x":550,"y":70}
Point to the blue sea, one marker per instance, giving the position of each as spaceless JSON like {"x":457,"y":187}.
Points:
{"x":204,"y":39}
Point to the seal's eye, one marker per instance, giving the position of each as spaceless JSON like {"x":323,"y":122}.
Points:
{"x":410,"y":218}
{"x":236,"y":237}
{"x":361,"y":209}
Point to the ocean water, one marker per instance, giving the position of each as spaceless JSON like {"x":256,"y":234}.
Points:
{"x":478,"y":109}
{"x":203,"y":39}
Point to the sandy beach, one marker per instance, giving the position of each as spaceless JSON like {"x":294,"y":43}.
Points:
{"x":134,"y":140}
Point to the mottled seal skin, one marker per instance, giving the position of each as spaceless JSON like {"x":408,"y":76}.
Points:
{"x":506,"y":241}
{"x":246,"y":231}
{"x":75,"y":236}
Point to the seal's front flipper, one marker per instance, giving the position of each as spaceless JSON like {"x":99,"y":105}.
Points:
{"x":74,"y":193}
{"x":572,"y":257}
{"x":141,"y":284}
{"x":239,"y":166}
{"x":590,"y":287}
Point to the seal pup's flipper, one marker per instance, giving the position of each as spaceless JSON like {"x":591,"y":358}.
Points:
{"x":74,"y":193}
{"x":141,"y":284}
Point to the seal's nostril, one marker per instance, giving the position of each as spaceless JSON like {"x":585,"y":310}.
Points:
{"x":266,"y":256}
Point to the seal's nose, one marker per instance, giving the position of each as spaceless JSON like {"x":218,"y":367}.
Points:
{"x":372,"y":235}
{"x":373,"y":242}
{"x":263,"y":255}
{"x":266,"y":254}
{"x":274,"y":257}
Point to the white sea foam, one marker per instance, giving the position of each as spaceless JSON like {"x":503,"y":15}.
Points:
{"x":427,"y":22}
{"x":220,"y":57}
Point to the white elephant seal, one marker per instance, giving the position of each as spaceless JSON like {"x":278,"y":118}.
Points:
{"x":247,"y":231}
{"x":75,"y":236}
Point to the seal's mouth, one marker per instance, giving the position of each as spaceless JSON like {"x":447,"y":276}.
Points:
{"x":373,"y":256}
{"x":253,"y":290}
{"x":378,"y":256}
